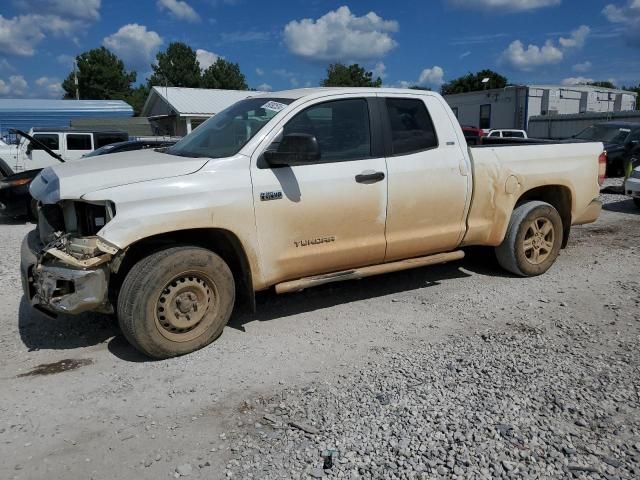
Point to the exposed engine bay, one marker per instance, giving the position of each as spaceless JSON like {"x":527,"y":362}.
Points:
{"x":71,"y":264}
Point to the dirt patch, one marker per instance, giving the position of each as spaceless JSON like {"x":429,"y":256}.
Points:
{"x":57,"y":367}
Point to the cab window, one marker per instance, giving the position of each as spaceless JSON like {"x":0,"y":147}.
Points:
{"x":51,"y":140}
{"x":411,"y":126}
{"x":78,"y":141}
{"x":341,"y":128}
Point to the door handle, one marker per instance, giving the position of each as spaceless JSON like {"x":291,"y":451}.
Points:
{"x":369,"y":176}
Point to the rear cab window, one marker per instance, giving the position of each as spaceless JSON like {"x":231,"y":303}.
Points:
{"x":79,"y":141}
{"x":411,"y":126}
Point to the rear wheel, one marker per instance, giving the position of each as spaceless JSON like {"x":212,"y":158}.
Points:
{"x":176,"y":301}
{"x":533,"y":239}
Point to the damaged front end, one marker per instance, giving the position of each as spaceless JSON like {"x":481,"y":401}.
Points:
{"x":65,"y":264}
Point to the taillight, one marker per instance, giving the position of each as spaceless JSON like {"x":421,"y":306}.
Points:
{"x":602,"y":167}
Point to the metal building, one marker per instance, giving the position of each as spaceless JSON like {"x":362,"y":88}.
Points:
{"x":24,"y":113}
{"x":177,"y":110}
{"x":513,"y":106}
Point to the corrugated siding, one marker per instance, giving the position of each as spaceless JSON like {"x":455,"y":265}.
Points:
{"x":27,"y":113}
{"x":565,"y":126}
{"x":134,"y":126}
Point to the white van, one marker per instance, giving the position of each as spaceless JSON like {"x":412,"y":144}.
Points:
{"x":507,"y":133}
{"x":69,"y":144}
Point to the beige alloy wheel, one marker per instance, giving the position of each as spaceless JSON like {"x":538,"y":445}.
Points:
{"x":533,"y":239}
{"x":539,"y":240}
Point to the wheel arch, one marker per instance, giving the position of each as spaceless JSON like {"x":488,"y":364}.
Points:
{"x":220,"y":241}
{"x":560,"y":197}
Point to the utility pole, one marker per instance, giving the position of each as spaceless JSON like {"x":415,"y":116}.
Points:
{"x":75,"y":79}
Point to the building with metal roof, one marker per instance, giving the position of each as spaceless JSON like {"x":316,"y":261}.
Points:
{"x":513,"y":106}
{"x":178,"y":110}
{"x":23,"y":113}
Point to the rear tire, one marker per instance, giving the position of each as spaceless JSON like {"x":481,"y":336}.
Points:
{"x":176,"y":301}
{"x":637,"y":202}
{"x":533,"y":239}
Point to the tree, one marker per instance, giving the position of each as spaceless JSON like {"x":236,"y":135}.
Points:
{"x":137,"y":97}
{"x":224,"y":74}
{"x":339,"y":75}
{"x":177,"y":66}
{"x":473,"y":82}
{"x":603,"y":84}
{"x":101,"y":76}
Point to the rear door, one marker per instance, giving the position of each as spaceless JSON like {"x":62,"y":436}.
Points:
{"x":77,"y":144}
{"x":327,"y":215}
{"x":428,"y":182}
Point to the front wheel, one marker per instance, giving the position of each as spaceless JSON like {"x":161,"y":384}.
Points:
{"x":176,"y":301}
{"x":533,"y":239}
{"x":637,"y":202}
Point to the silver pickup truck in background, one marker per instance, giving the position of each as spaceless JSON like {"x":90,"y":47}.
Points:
{"x":289,"y":190}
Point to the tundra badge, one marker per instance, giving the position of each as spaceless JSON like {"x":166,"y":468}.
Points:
{"x":270,"y":196}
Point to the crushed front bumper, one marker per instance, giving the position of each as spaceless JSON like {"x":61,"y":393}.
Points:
{"x":59,"y":288}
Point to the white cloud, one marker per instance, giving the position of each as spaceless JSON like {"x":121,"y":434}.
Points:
{"x":66,"y":60}
{"x":628,"y":16}
{"x":531,"y":57}
{"x":179,"y":9}
{"x":576,"y":81}
{"x":465,"y":54}
{"x":134,"y":44}
{"x":21,"y":35}
{"x":15,"y":87}
{"x":577,"y":38}
{"x":206,"y":58}
{"x":50,"y":87}
{"x":379,"y":71}
{"x":259,"y":71}
{"x":81,"y":9}
{"x":582,"y":67}
{"x":244,"y":36}
{"x":431,"y":77}
{"x":502,"y":6}
{"x":341,"y":36}
{"x":527,"y":59}
{"x":265,"y":87}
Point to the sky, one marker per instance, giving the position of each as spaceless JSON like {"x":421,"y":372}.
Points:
{"x":289,"y":43}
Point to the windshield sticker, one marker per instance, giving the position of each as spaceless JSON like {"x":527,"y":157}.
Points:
{"x":274,"y":106}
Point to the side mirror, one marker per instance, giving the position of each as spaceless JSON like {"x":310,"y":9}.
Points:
{"x":294,"y":149}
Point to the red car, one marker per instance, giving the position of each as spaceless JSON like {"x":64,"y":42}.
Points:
{"x":472,"y":134}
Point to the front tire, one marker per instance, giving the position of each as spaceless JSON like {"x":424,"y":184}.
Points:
{"x":637,"y":202}
{"x":533,"y":239}
{"x":176,"y":301}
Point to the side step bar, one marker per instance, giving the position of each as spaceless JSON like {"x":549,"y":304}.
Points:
{"x":307,"y":282}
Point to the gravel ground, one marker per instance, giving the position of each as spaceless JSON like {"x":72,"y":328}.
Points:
{"x":453,"y":371}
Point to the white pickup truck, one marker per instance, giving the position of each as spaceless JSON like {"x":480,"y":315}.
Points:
{"x":289,"y":190}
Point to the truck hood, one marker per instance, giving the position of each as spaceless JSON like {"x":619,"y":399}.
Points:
{"x":72,"y":180}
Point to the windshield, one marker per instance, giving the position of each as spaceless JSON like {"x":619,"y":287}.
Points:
{"x":100,"y":151}
{"x":604,"y":133}
{"x":224,"y":134}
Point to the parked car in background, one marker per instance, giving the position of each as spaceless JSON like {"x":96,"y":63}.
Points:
{"x":507,"y":133}
{"x":15,"y":200}
{"x":621,"y":140}
{"x":472,"y":134}
{"x":632,"y":186}
{"x":69,"y":144}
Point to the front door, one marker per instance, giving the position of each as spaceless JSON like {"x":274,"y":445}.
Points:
{"x":327,"y":215}
{"x":37,"y":157}
{"x":428,"y":179}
